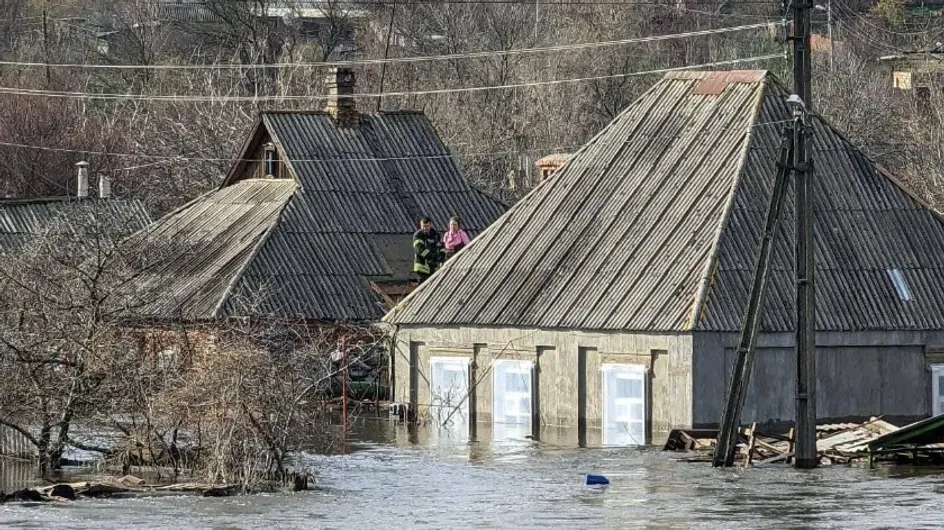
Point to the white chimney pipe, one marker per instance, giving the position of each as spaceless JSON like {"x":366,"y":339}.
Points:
{"x":104,"y":187}
{"x":82,"y":190}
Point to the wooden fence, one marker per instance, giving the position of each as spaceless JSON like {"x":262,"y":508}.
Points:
{"x":15,"y":445}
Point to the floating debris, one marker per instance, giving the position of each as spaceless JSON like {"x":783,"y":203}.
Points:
{"x":837,"y":443}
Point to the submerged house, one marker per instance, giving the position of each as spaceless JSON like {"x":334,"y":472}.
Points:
{"x":609,"y":299}
{"x":314,"y":221}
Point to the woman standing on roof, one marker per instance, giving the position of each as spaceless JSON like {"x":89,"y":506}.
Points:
{"x":455,"y":238}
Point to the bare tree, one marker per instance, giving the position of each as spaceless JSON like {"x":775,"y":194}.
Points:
{"x":61,"y":355}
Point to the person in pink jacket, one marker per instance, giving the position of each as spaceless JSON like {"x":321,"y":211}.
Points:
{"x":455,"y":238}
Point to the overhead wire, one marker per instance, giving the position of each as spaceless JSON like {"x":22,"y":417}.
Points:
{"x":395,"y":60}
{"x":861,"y":16}
{"x":171,"y":158}
{"x":321,"y":97}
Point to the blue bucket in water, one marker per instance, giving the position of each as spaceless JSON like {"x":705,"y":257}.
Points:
{"x":597,"y":480}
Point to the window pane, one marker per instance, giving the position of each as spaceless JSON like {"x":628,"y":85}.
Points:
{"x":511,"y":400}
{"x":449,"y":389}
{"x":626,"y":387}
{"x":624,"y":404}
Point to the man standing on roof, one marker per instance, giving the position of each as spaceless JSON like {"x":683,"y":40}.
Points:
{"x":427,"y":250}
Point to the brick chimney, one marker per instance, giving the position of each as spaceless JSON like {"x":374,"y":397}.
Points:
{"x":82,"y":180}
{"x":341,"y":104}
{"x":549,"y":164}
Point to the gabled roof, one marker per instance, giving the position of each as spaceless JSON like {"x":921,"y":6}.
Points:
{"x":655,"y":223}
{"x":306,"y":247}
{"x":21,"y":220}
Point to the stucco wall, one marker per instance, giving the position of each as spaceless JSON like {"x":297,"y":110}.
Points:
{"x":858,"y":375}
{"x":667,"y":355}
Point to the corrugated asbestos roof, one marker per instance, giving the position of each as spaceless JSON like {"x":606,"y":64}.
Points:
{"x":199,"y":249}
{"x":23,"y":219}
{"x":306,"y":248}
{"x":661,"y":215}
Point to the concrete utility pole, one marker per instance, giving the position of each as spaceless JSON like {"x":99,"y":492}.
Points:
{"x":744,"y":356}
{"x":805,"y":286}
{"x":829,"y":28}
{"x":795,"y":157}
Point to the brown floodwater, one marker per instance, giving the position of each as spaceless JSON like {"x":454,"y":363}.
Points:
{"x":425,"y":479}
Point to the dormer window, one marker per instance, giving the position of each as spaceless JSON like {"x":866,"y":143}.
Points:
{"x":270,"y":161}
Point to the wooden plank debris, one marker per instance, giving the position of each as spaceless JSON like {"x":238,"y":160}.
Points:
{"x":838,"y":443}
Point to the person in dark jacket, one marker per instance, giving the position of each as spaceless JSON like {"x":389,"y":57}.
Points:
{"x":427,"y":250}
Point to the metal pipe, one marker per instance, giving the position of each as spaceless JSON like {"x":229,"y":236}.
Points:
{"x":344,"y":372}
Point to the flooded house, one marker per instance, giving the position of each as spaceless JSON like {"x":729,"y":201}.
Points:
{"x":313,"y":222}
{"x":609,"y":299}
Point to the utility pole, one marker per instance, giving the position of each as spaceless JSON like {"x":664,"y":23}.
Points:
{"x":805,"y":287}
{"x":795,"y":157}
{"x":344,"y":375}
{"x":537,"y":18}
{"x":46,"y":44}
{"x":744,"y":356}
{"x":383,"y":67}
{"x":829,"y":29}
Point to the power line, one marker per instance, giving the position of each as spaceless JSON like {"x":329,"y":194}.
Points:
{"x":169,"y":158}
{"x":440,"y":91}
{"x":867,"y":22}
{"x":414,"y":59}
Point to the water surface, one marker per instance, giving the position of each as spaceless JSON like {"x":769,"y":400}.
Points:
{"x":422,"y":481}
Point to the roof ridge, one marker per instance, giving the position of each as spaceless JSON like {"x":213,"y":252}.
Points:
{"x":263,"y":239}
{"x":704,"y":282}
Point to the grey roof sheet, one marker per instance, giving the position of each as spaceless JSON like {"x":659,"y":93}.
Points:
{"x":23,"y":219}
{"x":209,"y":240}
{"x":866,"y":224}
{"x":671,"y":197}
{"x":349,"y":220}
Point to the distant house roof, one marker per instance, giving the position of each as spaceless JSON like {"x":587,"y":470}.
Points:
{"x":197,"y":11}
{"x":306,"y":247}
{"x":655,"y":223}
{"x":553,"y":160}
{"x":22,"y":220}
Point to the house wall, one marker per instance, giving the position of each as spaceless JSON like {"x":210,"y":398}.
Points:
{"x":858,"y":375}
{"x":668,"y":357}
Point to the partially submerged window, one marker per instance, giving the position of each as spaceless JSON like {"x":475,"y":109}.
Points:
{"x":511,"y":400}
{"x":449,"y":390}
{"x":937,"y":389}
{"x":624,"y":404}
{"x":901,"y":285}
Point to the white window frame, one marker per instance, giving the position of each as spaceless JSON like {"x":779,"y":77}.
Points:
{"x":937,"y":393}
{"x":524,"y":367}
{"x":462,"y":415}
{"x":637,"y":369}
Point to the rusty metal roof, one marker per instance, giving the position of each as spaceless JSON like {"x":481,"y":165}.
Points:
{"x":654,"y":226}
{"x":307,"y":247}
{"x":21,"y":220}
